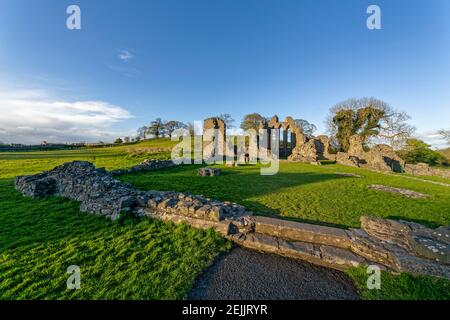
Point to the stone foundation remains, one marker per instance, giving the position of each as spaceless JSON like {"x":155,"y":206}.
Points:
{"x":403,"y":192}
{"x":398,"y":246}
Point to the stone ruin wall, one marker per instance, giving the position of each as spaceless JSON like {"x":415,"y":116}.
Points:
{"x":379,"y":158}
{"x":396,"y":246}
{"x":315,"y":149}
{"x":213,"y":145}
{"x":423,"y":169}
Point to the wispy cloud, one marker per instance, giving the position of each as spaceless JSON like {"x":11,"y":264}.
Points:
{"x":125,"y":55}
{"x":32,"y":116}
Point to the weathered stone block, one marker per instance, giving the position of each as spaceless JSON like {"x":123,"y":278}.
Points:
{"x":204,"y":172}
{"x":302,"y":231}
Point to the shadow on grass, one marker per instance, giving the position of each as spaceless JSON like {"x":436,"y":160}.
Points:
{"x":241,"y":184}
{"x":234,"y":184}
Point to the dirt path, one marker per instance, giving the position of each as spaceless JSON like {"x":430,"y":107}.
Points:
{"x":246,"y":274}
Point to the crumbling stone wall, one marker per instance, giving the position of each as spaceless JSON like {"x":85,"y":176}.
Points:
{"x":381,"y":157}
{"x":215,"y":141}
{"x":101,"y":194}
{"x":312,"y":150}
{"x":423,"y":169}
{"x":96,"y":189}
{"x":306,"y":152}
{"x":290,"y":128}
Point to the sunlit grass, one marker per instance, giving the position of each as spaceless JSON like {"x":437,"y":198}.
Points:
{"x":146,"y":259}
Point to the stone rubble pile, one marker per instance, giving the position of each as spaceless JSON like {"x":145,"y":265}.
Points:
{"x":96,"y":189}
{"x":205,"y":172}
{"x":312,"y":150}
{"x":380,"y":157}
{"x":395,"y":245}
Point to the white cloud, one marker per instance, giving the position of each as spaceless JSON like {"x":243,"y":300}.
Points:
{"x":31,"y":117}
{"x":434,"y":139}
{"x":125,"y":55}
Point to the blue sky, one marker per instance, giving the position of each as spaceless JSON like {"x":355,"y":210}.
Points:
{"x":133,"y":61}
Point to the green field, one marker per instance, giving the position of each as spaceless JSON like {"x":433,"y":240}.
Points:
{"x":147,"y":259}
{"x":308,"y":193}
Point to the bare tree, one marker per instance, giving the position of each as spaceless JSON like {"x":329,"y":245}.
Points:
{"x":172,"y":125}
{"x":391,"y":127}
{"x":191,"y":128}
{"x":156,"y":128}
{"x":445,"y":134}
{"x":307,"y":128}
{"x":226,"y":117}
{"x":394,"y":129}
{"x":142,"y":132}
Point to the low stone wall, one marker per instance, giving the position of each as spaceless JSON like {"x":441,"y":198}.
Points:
{"x":398,"y":246}
{"x":101,"y":194}
{"x":423,"y":169}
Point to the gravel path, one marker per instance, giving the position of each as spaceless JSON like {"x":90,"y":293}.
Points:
{"x":246,"y":274}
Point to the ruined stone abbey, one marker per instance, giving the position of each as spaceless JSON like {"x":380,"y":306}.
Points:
{"x":294,"y":145}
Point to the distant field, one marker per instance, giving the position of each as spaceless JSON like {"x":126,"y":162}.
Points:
{"x":15,"y":163}
{"x":148,"y":259}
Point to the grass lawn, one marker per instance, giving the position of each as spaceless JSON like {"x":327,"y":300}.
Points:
{"x":308,"y":193}
{"x":148,"y":259}
{"x":40,"y":239}
{"x":145,"y":259}
{"x":401,"y":287}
